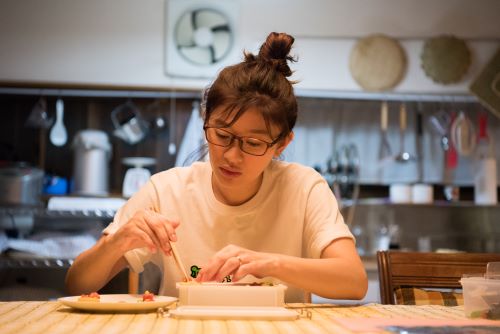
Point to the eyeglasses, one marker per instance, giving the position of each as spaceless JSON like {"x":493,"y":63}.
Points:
{"x":249,"y":145}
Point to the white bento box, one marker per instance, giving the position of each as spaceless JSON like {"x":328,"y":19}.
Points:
{"x":230,"y":294}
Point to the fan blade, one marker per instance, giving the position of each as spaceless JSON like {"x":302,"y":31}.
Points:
{"x":212,"y":54}
{"x":223,"y":27}
{"x":180,"y":46}
{"x":193,"y":19}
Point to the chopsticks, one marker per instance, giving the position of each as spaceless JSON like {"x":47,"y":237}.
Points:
{"x":176,"y":256}
{"x":178,"y":261}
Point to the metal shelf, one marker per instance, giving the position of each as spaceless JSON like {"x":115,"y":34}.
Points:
{"x":46,"y":213}
{"x":26,"y":262}
{"x":452,"y":97}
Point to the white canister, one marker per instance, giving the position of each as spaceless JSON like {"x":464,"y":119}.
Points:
{"x":485,"y":182}
{"x":92,"y":152}
{"x":400,"y":193}
{"x":422,"y":193}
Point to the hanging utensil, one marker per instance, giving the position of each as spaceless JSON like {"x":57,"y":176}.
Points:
{"x":39,"y":118}
{"x":172,"y":149}
{"x":440,"y":123}
{"x":128,"y":122}
{"x":385,"y":152}
{"x":419,"y":142}
{"x":463,"y":134}
{"x":158,"y":124}
{"x":58,"y":135}
{"x":450,"y":159}
{"x":403,"y":156}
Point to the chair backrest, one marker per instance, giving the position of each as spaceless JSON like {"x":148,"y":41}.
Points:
{"x":427,"y":270}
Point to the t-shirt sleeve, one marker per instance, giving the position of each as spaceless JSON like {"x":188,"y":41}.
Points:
{"x":323,"y":222}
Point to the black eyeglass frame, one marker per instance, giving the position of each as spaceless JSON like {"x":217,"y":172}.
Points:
{"x":240,"y":139}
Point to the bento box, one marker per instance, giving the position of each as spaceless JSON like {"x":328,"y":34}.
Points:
{"x":231,"y":294}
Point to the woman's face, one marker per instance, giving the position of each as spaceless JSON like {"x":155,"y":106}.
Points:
{"x":237,"y":174}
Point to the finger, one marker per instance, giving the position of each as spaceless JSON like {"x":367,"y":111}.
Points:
{"x":146,"y":240}
{"x":228,"y":268}
{"x":146,"y":228}
{"x":162,"y":229}
{"x":243,"y":270}
{"x":134,"y":236}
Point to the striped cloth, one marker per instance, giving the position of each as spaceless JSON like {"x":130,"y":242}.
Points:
{"x":416,"y":296}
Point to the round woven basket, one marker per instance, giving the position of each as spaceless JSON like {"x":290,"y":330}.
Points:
{"x":445,"y":59}
{"x":377,"y":62}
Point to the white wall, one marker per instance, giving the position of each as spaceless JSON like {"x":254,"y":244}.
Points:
{"x":121,"y":42}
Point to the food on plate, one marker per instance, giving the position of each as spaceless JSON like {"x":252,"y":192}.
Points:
{"x":148,"y":296}
{"x":91,"y":297}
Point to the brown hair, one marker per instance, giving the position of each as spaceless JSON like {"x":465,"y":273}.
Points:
{"x":261,"y":82}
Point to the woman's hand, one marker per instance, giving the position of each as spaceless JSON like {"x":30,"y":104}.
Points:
{"x":147,"y":228}
{"x":238,"y":262}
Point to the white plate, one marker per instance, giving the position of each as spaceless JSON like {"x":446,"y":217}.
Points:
{"x":234,"y":312}
{"x":119,"y":302}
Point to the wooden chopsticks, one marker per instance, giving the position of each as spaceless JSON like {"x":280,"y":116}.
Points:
{"x":178,"y":261}
{"x":176,"y":256}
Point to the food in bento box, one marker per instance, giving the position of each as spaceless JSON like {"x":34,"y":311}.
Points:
{"x":91,"y":297}
{"x":148,"y":296}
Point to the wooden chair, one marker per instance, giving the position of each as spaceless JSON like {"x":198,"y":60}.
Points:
{"x":427,"y":270}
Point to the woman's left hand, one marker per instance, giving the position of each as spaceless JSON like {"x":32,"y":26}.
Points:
{"x":238,"y":262}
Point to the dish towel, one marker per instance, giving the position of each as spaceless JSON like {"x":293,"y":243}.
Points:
{"x":193,"y":138}
{"x":57,"y":246}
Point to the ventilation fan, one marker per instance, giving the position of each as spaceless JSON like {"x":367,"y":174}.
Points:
{"x":200,"y":39}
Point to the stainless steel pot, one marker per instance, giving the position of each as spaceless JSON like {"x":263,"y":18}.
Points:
{"x":20,"y":184}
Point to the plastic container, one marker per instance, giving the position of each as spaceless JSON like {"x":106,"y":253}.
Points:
{"x":482,"y":293}
{"x":400,"y":193}
{"x":230,"y":294}
{"x":422,"y":193}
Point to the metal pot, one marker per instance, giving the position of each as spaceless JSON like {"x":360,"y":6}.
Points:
{"x":20,"y":184}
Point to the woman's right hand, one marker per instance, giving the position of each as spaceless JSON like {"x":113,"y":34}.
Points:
{"x":146,"y":228}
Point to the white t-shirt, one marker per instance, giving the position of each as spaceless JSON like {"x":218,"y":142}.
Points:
{"x":293,"y":213}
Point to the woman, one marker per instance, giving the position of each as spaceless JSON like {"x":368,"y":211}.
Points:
{"x":244,"y":214}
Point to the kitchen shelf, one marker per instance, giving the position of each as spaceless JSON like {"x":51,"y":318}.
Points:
{"x":28,"y":262}
{"x":46,"y":213}
{"x":154,"y":92}
{"x":434,"y":204}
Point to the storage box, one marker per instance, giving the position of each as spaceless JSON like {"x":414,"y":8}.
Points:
{"x":230,"y":294}
{"x":481,"y":297}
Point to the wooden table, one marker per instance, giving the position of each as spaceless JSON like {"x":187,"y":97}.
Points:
{"x":52,"y":317}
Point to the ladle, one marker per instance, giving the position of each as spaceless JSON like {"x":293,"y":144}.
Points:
{"x":58,"y":135}
{"x":403,"y":156}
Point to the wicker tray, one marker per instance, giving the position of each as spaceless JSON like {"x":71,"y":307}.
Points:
{"x":377,"y":62}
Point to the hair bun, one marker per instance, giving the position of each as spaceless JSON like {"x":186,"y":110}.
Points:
{"x":275,"y":51}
